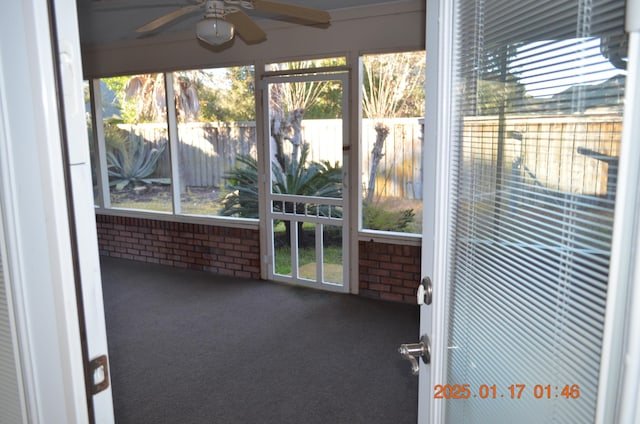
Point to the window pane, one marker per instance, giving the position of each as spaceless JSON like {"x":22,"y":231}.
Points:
{"x":332,"y":254}
{"x":539,"y":86}
{"x":93,"y":154}
{"x":136,"y":139}
{"x":391,"y":133}
{"x":217,"y":141}
{"x":306,"y":64}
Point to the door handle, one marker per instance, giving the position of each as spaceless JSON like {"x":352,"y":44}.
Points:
{"x":411,"y":351}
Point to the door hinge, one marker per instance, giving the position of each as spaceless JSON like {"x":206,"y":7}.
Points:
{"x":99,"y":374}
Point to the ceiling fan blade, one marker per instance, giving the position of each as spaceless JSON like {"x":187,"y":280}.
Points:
{"x":246,"y":28}
{"x":165,"y":19}
{"x":304,"y":13}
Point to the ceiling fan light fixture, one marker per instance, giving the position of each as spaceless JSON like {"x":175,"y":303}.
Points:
{"x":214,"y":31}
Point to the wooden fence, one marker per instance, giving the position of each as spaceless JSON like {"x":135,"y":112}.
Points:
{"x":556,"y":152}
{"x":208,"y":151}
{"x":570,"y":154}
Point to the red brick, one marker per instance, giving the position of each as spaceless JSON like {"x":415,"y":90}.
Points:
{"x":412,"y":268}
{"x":380,"y":287}
{"x":252,"y":269}
{"x":391,"y":265}
{"x":392,"y":296}
{"x":380,"y":258}
{"x":380,"y":272}
{"x":370,"y":278}
{"x":391,"y":281}
{"x":403,"y":290}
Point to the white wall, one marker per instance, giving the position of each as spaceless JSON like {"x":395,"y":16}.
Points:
{"x":387,"y":27}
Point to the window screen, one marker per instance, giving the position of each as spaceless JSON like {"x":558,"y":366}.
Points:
{"x":539,"y":91}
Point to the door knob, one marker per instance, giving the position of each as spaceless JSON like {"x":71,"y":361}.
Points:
{"x":411,"y":351}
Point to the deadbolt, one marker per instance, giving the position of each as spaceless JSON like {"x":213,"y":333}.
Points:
{"x":425,"y":292}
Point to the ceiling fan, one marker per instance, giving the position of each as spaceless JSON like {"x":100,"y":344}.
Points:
{"x":223,"y":18}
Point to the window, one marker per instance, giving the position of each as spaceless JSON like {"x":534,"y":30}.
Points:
{"x":216,"y":137}
{"x":215,"y":111}
{"x":391,"y":136}
{"x":134,"y":114}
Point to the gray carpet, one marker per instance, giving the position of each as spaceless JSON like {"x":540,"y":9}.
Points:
{"x":191,"y":347}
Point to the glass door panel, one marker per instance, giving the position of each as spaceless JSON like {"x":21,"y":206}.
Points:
{"x":538,"y":89}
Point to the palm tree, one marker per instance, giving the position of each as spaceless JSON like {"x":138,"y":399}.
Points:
{"x":147,"y":91}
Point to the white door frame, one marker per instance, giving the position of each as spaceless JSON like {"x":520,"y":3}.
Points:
{"x":36,"y":217}
{"x":436,"y":182}
{"x":620,"y":362}
{"x":341,"y":75}
{"x":36,"y":211}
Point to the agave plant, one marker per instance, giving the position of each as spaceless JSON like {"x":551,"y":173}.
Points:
{"x":297,"y":177}
{"x":319,"y":179}
{"x":133,"y":162}
{"x":243,"y":183}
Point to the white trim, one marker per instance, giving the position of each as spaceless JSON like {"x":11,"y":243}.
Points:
{"x":262,"y":140}
{"x":354,"y":112}
{"x":389,"y":237}
{"x":173,"y":141}
{"x":244,"y":223}
{"x":632,"y":18}
{"x":437,"y":179}
{"x":623,"y":265}
{"x":102,"y":168}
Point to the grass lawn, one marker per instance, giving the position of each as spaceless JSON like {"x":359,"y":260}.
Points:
{"x":306,"y":255}
{"x":194,"y":200}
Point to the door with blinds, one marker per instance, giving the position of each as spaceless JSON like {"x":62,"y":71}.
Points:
{"x":532,"y":129}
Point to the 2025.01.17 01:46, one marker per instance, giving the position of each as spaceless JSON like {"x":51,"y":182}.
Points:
{"x":514,"y":391}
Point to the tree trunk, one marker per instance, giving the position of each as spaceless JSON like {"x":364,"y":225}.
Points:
{"x":295,"y":122}
{"x":382,"y":131}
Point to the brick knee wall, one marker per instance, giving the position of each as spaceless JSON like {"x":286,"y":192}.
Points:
{"x":223,"y":250}
{"x":389,"y":271}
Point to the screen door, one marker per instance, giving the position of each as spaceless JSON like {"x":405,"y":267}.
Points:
{"x":307,"y":212}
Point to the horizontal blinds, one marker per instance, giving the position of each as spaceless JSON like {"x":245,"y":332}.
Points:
{"x":10,"y":395}
{"x":539,"y":88}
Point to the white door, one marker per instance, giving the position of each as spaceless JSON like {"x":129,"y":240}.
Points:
{"x":307,"y":192}
{"x":523,"y":140}
{"x":84,"y":235}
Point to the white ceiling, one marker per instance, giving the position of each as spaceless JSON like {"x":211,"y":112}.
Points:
{"x":104,"y":21}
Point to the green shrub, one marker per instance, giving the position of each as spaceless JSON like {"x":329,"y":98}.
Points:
{"x":376,"y":217}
